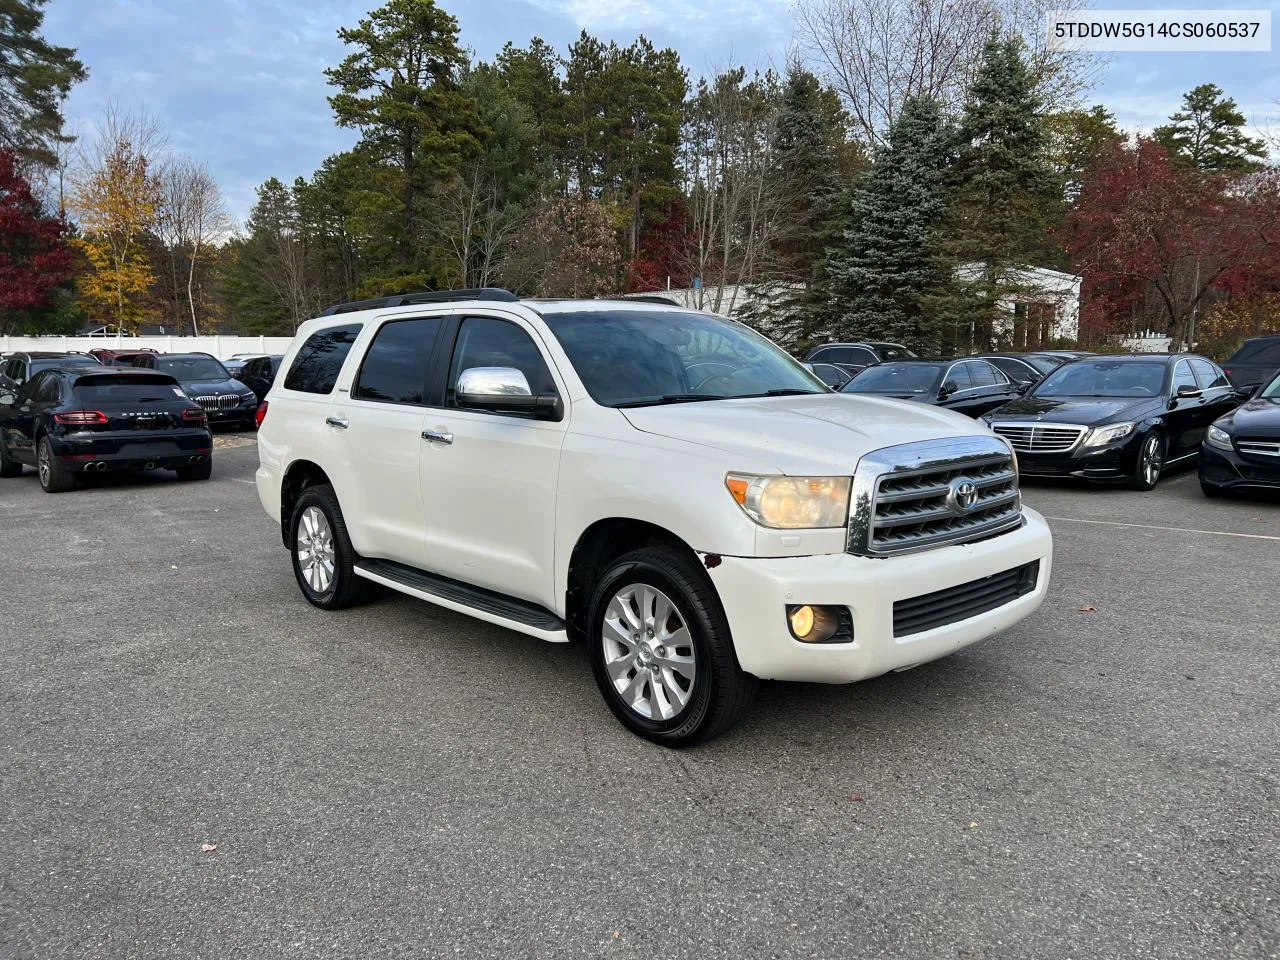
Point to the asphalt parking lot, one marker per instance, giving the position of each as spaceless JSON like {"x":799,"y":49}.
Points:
{"x":397,"y":780}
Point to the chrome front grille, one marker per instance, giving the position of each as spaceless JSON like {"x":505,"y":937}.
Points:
{"x":933,"y":493}
{"x":1259,"y":448}
{"x":1040,"y":437}
{"x":227,"y":401}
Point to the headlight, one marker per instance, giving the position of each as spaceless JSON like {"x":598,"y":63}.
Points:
{"x":248,"y":397}
{"x":791,"y":502}
{"x":1101,"y":435}
{"x":1217,"y":437}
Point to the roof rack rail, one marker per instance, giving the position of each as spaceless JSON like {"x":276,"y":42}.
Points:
{"x":649,"y":298}
{"x":426,"y":296}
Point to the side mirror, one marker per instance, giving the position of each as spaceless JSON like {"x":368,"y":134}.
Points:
{"x":503,"y":389}
{"x":1244,"y":393}
{"x":948,"y":388}
{"x":1188,"y":392}
{"x":1024,"y":387}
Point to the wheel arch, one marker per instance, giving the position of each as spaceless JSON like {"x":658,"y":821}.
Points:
{"x":300,"y":475}
{"x":599,"y":544}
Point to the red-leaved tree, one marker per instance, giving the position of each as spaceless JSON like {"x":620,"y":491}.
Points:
{"x":1144,"y":228}
{"x":34,"y":256}
{"x":667,"y":255}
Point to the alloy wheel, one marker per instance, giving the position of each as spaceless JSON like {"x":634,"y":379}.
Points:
{"x":43,"y":465}
{"x":648,"y":652}
{"x":315,"y":549}
{"x":1151,"y":460}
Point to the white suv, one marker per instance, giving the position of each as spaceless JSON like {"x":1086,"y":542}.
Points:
{"x":668,"y":486}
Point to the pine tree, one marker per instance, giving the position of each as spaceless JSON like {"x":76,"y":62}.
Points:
{"x":879,"y":282}
{"x":1005,"y":196}
{"x":35,"y":77}
{"x":809,"y":165}
{"x":1208,"y":134}
{"x":401,"y":89}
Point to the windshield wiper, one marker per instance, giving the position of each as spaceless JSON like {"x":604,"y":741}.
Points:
{"x":673,"y":398}
{"x":789,"y":392}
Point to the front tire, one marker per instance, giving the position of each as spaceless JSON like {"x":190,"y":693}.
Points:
{"x":661,"y":650}
{"x":54,"y":476}
{"x":1150,"y":463}
{"x":1211,"y":491}
{"x":323,"y":558}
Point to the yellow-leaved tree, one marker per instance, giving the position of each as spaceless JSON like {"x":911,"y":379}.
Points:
{"x":116,"y":201}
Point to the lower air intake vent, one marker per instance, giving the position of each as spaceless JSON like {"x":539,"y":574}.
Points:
{"x":954,"y":604}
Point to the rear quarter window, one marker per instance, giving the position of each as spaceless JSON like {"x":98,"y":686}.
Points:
{"x":319,"y":361}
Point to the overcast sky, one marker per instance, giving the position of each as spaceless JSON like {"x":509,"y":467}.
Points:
{"x":240,"y":84}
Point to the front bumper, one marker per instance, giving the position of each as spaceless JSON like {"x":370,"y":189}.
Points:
{"x":1228,"y":470}
{"x":243,"y":414}
{"x":1113,"y":462}
{"x":756,"y":591}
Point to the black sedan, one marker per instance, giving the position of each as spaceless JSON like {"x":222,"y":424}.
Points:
{"x":1119,"y":418}
{"x":971,"y":387}
{"x":206,"y":381}
{"x":1024,"y":367}
{"x":833,"y":376}
{"x":1242,"y":449}
{"x":71,"y":421}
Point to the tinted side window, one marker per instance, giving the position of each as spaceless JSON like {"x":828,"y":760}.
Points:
{"x":959,"y":375}
{"x":1208,"y":375}
{"x":862,"y":356}
{"x":983,"y":374}
{"x":1270,"y":353}
{"x":49,"y":390}
{"x":395,"y":368}
{"x":1182,"y":376}
{"x":487,"y":342}
{"x":318,"y":363}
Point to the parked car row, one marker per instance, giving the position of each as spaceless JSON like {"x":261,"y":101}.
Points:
{"x":1119,"y":419}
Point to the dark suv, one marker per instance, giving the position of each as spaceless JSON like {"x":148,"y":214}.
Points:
{"x":1255,"y":363}
{"x":66,"y":422}
{"x":865,"y":353}
{"x":18,"y":368}
{"x":207,"y":382}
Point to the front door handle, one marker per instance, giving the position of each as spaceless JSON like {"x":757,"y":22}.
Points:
{"x":437,"y":436}
{"x":342,"y":422}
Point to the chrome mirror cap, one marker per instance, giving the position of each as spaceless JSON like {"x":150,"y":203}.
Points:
{"x":493,"y":382}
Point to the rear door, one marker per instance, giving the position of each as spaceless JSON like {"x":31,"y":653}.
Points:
{"x":385,"y":411}
{"x":1219,"y":396}
{"x":34,"y":398}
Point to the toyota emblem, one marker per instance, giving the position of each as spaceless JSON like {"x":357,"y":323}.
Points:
{"x":962,"y":496}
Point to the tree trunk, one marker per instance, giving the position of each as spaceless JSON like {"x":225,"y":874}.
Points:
{"x":191,"y":276}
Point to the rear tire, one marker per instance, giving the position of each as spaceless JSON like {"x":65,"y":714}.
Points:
{"x":659,"y":643}
{"x":198,"y":471}
{"x":8,"y":466}
{"x":323,"y":558}
{"x":1149,"y":465}
{"x":54,"y":476}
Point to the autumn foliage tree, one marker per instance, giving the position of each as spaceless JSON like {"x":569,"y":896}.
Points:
{"x":566,"y":248}
{"x":117,"y":202}
{"x":1146,"y":227}
{"x":34,"y":256}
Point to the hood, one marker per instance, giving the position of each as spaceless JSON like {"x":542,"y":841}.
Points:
{"x":1257,"y":418}
{"x":805,"y":435}
{"x":1087,"y":411}
{"x":214,"y":388}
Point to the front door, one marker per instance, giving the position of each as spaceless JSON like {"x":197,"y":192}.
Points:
{"x":489,"y":479}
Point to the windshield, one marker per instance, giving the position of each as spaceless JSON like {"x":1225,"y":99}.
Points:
{"x":636,"y":358}
{"x":1272,"y":390}
{"x":898,"y":378}
{"x":192,"y":368}
{"x":1104,"y":378}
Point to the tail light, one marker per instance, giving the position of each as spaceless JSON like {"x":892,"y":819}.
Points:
{"x":261,"y":414}
{"x":80,"y":417}
{"x":193,"y":415}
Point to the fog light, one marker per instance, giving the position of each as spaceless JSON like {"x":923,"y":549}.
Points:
{"x":812,"y":624}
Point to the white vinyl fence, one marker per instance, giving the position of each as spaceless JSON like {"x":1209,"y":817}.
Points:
{"x":220,"y":347}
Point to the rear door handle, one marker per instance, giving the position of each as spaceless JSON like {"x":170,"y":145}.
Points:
{"x":342,"y":422}
{"x":437,"y":436}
